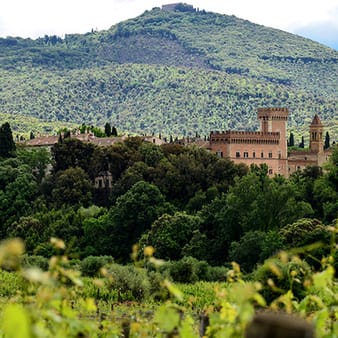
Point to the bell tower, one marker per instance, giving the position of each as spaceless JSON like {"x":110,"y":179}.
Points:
{"x":316,"y":135}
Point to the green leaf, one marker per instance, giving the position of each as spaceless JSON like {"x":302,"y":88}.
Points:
{"x":15,"y":322}
{"x":167,"y":318}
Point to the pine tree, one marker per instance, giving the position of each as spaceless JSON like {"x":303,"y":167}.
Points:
{"x":7,"y":144}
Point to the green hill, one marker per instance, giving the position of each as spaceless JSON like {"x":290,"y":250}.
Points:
{"x":175,"y":72}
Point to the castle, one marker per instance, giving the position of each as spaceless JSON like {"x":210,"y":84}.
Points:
{"x":269,"y":145}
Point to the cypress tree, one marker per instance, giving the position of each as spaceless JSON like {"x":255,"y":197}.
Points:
{"x":7,"y":144}
{"x":327,"y":140}
{"x":113,"y":131}
{"x":107,"y":129}
{"x":291,"y":140}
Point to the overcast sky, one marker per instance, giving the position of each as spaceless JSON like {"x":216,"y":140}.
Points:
{"x":316,"y":19}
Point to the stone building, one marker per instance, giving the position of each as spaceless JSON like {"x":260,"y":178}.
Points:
{"x":269,"y":144}
{"x":173,"y":6}
{"x":315,"y":155}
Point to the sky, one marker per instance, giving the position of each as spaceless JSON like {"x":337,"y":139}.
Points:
{"x":314,"y":19}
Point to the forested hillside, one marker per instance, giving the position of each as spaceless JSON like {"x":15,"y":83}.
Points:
{"x":175,"y":72}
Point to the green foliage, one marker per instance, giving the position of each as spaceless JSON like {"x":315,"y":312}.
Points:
{"x":18,"y":188}
{"x":30,"y":261}
{"x":170,"y":233}
{"x":185,"y":270}
{"x":72,"y":187}
{"x":91,"y":265}
{"x":326,"y":189}
{"x":282,"y":274}
{"x":253,"y":248}
{"x":71,"y":153}
{"x":7,"y":145}
{"x":133,"y":214}
{"x":59,"y":303}
{"x":169,"y":72}
{"x":327,"y":140}
{"x":190,"y":270}
{"x":131,"y":283}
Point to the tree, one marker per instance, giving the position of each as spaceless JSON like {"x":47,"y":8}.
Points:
{"x":326,"y":188}
{"x":7,"y":144}
{"x":107,"y":129}
{"x":72,"y":153}
{"x":310,"y":234}
{"x":327,"y":140}
{"x":291,"y":140}
{"x":113,"y":131}
{"x":18,"y":189}
{"x":301,"y":144}
{"x":72,"y":187}
{"x":132,"y":215}
{"x":170,"y":234}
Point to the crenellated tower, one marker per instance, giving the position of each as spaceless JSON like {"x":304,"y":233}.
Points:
{"x":274,"y":120}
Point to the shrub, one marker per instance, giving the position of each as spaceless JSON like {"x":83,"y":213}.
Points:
{"x":190,"y":270}
{"x":41,"y":262}
{"x":130,"y":282}
{"x":279,"y":276}
{"x":217,"y":274}
{"x":11,"y":283}
{"x":91,"y":265}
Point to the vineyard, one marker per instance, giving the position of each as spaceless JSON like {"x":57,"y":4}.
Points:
{"x":58,"y":302}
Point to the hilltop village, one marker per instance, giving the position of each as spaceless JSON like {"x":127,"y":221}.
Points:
{"x":268,"y":145}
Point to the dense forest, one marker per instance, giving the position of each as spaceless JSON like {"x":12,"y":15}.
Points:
{"x":154,"y":254}
{"x":184,"y":201}
{"x":177,"y":72}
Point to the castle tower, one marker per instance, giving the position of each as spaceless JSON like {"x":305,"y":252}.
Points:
{"x":274,"y":120}
{"x":316,"y":135}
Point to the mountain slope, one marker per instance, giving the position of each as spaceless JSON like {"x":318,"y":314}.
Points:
{"x":172,"y":72}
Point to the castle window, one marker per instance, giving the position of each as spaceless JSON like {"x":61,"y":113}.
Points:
{"x":219,"y":153}
{"x":238,"y":154}
{"x":270,"y":154}
{"x":270,"y":171}
{"x":279,"y":155}
{"x":262,"y":155}
{"x":253,"y":154}
{"x":246,"y":154}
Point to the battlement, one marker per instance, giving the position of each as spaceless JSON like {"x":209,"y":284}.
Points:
{"x":251,"y":137}
{"x":273,"y":113}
